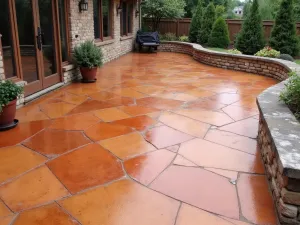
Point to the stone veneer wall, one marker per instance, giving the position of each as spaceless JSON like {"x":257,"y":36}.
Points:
{"x":1,"y":62}
{"x":279,"y":131}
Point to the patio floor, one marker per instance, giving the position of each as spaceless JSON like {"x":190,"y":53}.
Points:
{"x":159,"y":139}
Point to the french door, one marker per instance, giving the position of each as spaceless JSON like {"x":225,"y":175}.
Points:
{"x":35,"y":37}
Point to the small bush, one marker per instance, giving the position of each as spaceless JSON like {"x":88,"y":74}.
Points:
{"x":168,"y":37}
{"x":286,"y":57}
{"x":234,"y":51}
{"x":291,"y":94}
{"x":268,"y":52}
{"x":184,"y":38}
{"x":219,"y":37}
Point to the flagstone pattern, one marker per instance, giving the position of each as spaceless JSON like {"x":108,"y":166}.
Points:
{"x":158,"y":139}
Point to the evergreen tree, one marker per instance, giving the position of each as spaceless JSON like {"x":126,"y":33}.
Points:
{"x":219,"y":37}
{"x":283,"y":37}
{"x":208,"y":21}
{"x":251,"y":38}
{"x":196,"y":23}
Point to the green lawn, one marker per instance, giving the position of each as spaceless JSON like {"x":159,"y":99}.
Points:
{"x":297,"y":61}
{"x":218,"y":49}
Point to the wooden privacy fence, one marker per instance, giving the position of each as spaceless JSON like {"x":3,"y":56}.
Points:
{"x":181,"y":27}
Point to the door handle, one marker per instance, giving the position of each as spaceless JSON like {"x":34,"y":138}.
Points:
{"x":39,"y":39}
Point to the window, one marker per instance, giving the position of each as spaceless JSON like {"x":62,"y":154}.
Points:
{"x":126,"y":18}
{"x":102,"y":19}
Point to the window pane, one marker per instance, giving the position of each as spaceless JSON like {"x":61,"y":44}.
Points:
{"x":124,"y":17}
{"x":96,"y":18}
{"x":129,"y":16}
{"x":63,"y":29}
{"x":8,"y":58}
{"x":106,"y":18}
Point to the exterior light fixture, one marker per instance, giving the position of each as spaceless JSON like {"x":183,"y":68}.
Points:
{"x":119,"y":8}
{"x":83,"y":5}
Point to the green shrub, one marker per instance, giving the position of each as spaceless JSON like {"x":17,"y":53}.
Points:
{"x":219,"y":37}
{"x":291,"y":94}
{"x":168,"y":37}
{"x":283,"y":36}
{"x":234,"y":51}
{"x":220,"y":11}
{"x":268,"y":52}
{"x":9,"y":91}
{"x":88,"y":55}
{"x":251,"y":38}
{"x":286,"y":57}
{"x":184,"y":38}
{"x":208,"y":21}
{"x":196,"y":23}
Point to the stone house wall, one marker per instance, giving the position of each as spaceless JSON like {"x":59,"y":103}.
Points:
{"x":1,"y":62}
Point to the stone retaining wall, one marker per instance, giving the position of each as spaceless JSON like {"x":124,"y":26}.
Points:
{"x":279,"y":131}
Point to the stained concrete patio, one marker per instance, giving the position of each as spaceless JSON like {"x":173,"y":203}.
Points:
{"x":158,"y":139}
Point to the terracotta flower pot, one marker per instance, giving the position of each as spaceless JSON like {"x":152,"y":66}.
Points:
{"x":88,"y":74}
{"x":8,"y":114}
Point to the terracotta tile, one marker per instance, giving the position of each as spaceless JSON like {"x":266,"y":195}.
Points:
{"x":225,"y":173}
{"x":201,"y":93}
{"x":139,"y":123}
{"x":205,"y":195}
{"x":16,"y":160}
{"x":122,"y":202}
{"x":121,"y":101}
{"x":22,"y":132}
{"x":137,"y":110}
{"x":111,"y":114}
{"x":231,"y":140}
{"x":206,"y":104}
{"x":180,"y":161}
{"x":6,"y":220}
{"x":185,"y":97}
{"x":55,"y":110}
{"x":173,"y":148}
{"x":255,"y":198}
{"x":193,"y":216}
{"x":32,"y":189}
{"x":184,"y":124}
{"x":4,"y":211}
{"x":146,"y":168}
{"x":148,"y":89}
{"x":239,"y":113}
{"x":208,"y":154}
{"x":154,"y":115}
{"x":90,"y":105}
{"x":127,"y":92}
{"x":84,"y":89}
{"x":164,"y":136}
{"x":248,"y":102}
{"x":27,"y":114}
{"x":159,"y":103}
{"x":221,"y":88}
{"x":103,"y":96}
{"x":226,"y":98}
{"x":86,"y":167}
{"x":247,"y":127}
{"x":55,"y":142}
{"x":103,"y":131}
{"x":235,"y":222}
{"x":45,"y":215}
{"x":71,"y":98}
{"x":210,"y":117}
{"x":127,"y":145}
{"x":75,"y":122}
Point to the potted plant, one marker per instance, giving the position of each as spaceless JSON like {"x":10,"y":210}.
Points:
{"x":88,"y":57}
{"x":9,"y":93}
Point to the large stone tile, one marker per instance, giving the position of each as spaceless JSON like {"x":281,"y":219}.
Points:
{"x":45,"y":215}
{"x":86,"y":167}
{"x":123,"y":202}
{"x":248,"y":127}
{"x":22,"y":132}
{"x":121,"y":101}
{"x":164,"y":136}
{"x":232,"y":140}
{"x":111,"y":114}
{"x":181,"y":161}
{"x":235,"y":222}
{"x":146,"y":168}
{"x":137,"y":110}
{"x":240,"y":113}
{"x":4,"y":211}
{"x":225,"y":173}
{"x":139,"y":123}
{"x":226,"y":98}
{"x":71,"y":98}
{"x":16,"y":160}
{"x":184,"y":124}
{"x":90,"y":105}
{"x":127,"y":92}
{"x":55,"y":142}
{"x":6,"y":220}
{"x":103,"y":131}
{"x":55,"y":110}
{"x":208,"y":154}
{"x":30,"y":113}
{"x":103,"y":96}
{"x":148,"y":89}
{"x":75,"y":122}
{"x":32,"y":189}
{"x":159,"y":103}
{"x":205,"y":104}
{"x":201,"y":93}
{"x":127,"y":145}
{"x":200,"y":188}
{"x":255,"y":199}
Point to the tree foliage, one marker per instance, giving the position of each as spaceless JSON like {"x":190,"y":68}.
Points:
{"x":220,"y":10}
{"x":251,"y":38}
{"x":196,"y":23}
{"x":208,"y":21}
{"x":158,"y":9}
{"x":283,"y":37}
{"x":219,"y":37}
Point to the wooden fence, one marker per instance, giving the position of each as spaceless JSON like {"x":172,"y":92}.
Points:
{"x":181,"y":27}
